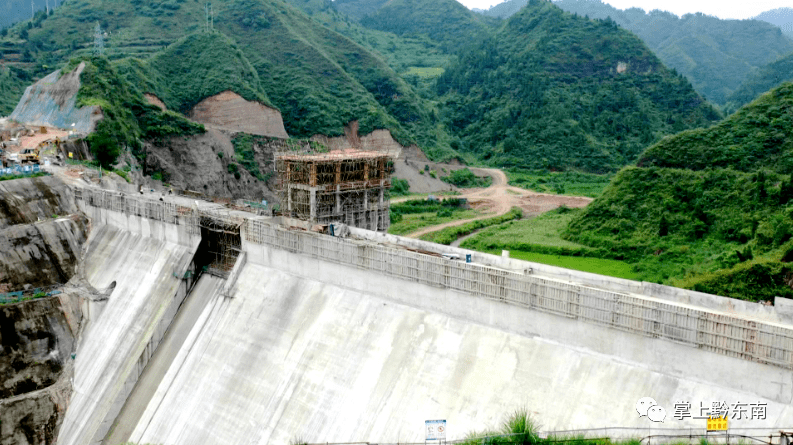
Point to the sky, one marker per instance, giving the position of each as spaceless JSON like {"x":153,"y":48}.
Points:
{"x":724,"y":9}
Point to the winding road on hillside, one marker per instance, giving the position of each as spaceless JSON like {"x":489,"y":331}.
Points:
{"x":500,"y":197}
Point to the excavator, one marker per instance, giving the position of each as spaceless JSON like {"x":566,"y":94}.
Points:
{"x":29,"y":156}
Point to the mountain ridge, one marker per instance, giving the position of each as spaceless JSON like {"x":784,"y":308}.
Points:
{"x":716,"y":55}
{"x":552,"y":90}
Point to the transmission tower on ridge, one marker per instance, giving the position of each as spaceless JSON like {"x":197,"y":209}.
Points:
{"x":99,"y":40}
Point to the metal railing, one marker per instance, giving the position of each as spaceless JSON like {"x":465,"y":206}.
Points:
{"x":38,"y":292}
{"x":716,"y":332}
{"x":721,"y":333}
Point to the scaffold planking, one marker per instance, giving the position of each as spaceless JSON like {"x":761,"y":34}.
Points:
{"x":346,"y":186}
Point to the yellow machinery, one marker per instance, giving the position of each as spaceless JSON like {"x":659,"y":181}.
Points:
{"x":29,"y":156}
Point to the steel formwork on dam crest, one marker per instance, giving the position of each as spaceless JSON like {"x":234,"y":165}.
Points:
{"x":730,"y":335}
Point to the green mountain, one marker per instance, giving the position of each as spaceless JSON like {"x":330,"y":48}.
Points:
{"x":13,"y":11}
{"x":781,"y":17}
{"x":708,"y":209}
{"x":504,"y":10}
{"x":444,"y":21}
{"x":558,"y":91}
{"x":768,"y":77}
{"x":319,"y":79}
{"x":403,"y":54}
{"x":715,"y":55}
{"x":358,"y":9}
{"x":193,"y":68}
{"x":128,"y":119}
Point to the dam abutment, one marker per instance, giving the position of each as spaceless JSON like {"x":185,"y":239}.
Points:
{"x":684,"y":346}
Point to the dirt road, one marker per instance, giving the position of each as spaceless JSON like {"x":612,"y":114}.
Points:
{"x":500,"y":197}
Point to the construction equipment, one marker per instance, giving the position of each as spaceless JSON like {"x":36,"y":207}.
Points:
{"x":29,"y":156}
{"x":9,"y":159}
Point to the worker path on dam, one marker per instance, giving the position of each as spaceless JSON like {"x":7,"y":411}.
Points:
{"x":321,"y":339}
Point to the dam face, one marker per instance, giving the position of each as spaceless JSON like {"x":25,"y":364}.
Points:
{"x":320,"y":339}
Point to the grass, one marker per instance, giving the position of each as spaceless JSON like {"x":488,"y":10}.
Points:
{"x":451,"y":234}
{"x":559,"y":183}
{"x":612,"y":268}
{"x":415,"y":221}
{"x":124,"y":175}
{"x":12,"y":177}
{"x":424,"y":72}
{"x":544,"y":230}
{"x":540,"y":240}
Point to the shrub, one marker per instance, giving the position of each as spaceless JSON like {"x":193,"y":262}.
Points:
{"x":400,"y":187}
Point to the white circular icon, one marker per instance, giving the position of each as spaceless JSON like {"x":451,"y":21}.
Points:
{"x":644,"y":404}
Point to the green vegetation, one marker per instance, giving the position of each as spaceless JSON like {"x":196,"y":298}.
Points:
{"x":32,"y":175}
{"x":708,"y":209}
{"x":452,"y":234}
{"x":244,"y":154}
{"x":13,"y":82}
{"x":561,"y":183}
{"x":541,"y":234}
{"x":520,"y":428}
{"x":715,"y":55}
{"x":780,"y":17}
{"x":399,"y":187}
{"x":319,"y":79}
{"x":465,"y":178}
{"x":769,"y":76}
{"x":545,"y":93}
{"x":128,"y":119}
{"x":602,"y":266}
{"x":409,"y":216}
{"x":540,"y":240}
{"x":193,"y":68}
{"x":445,"y":21}
{"x":756,"y":136}
{"x":123,"y":174}
{"x":405,"y":55}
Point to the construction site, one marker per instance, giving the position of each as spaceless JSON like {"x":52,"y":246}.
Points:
{"x":343,"y":186}
{"x":200,"y":323}
{"x":132,"y":314}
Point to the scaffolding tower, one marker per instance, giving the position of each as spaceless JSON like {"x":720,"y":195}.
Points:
{"x":341,"y":186}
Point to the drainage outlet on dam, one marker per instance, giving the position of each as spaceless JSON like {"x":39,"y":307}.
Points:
{"x":220,"y":246}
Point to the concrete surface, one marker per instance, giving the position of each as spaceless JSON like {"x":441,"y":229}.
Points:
{"x":207,"y":288}
{"x":292,"y":357}
{"x":782,"y":314}
{"x":142,"y":269}
{"x":320,"y":351}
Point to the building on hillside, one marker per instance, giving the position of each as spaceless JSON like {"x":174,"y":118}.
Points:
{"x":343,"y":186}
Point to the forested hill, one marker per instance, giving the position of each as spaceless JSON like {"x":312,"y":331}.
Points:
{"x":559,"y":91}
{"x":715,"y":55}
{"x":781,"y":17}
{"x":768,"y":77}
{"x":319,"y":79}
{"x":710,"y":207}
{"x":13,"y":11}
{"x":445,"y":21}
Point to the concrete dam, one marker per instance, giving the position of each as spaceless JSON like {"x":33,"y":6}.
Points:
{"x":312,"y":338}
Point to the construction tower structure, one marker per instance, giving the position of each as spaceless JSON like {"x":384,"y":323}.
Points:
{"x":340,"y":186}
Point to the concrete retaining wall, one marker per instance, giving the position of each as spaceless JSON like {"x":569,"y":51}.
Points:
{"x":515,"y":282}
{"x":144,"y":257}
{"x":782,"y":311}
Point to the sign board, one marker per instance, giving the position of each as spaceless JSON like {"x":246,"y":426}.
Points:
{"x":717,"y":424}
{"x":436,"y":429}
